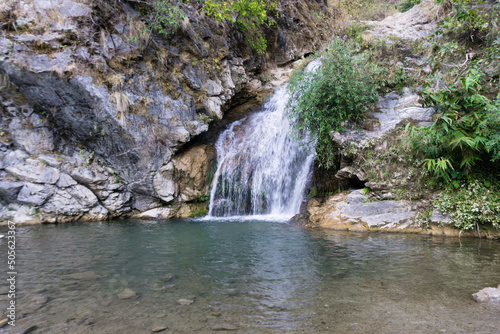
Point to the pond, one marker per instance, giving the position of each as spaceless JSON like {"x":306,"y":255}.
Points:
{"x":247,"y":276}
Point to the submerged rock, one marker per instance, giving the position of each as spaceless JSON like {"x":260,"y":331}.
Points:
{"x":167,"y":277}
{"x":185,"y":301}
{"x":159,"y":329}
{"x":128,"y":294}
{"x":225,"y":327}
{"x":85,"y":276}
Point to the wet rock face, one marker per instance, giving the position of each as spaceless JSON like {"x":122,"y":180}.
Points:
{"x":92,"y":117}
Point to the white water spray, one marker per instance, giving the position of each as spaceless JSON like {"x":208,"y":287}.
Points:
{"x":261,"y":169}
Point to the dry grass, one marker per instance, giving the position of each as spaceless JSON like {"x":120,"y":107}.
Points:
{"x":116,"y":80}
{"x":347,"y":10}
{"x":123,"y":103}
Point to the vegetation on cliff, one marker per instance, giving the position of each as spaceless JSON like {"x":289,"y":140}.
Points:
{"x":325,"y":99}
{"x":455,"y":70}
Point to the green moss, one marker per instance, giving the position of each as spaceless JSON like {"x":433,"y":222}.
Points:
{"x":199,"y":211}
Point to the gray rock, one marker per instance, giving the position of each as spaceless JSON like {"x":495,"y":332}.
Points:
{"x":34,"y":194}
{"x":74,"y":201}
{"x":185,"y":301}
{"x":128,"y":294}
{"x":213,"y":106}
{"x":197,"y":127}
{"x":158,"y":329}
{"x":225,"y":327}
{"x":34,"y":171}
{"x":43,"y":63}
{"x":363,"y":210}
{"x":72,"y":9}
{"x":98,"y":212}
{"x":34,"y":141}
{"x":164,"y":182}
{"x":350,"y":172}
{"x":13,"y":158}
{"x":180,"y":135}
{"x":10,"y":190}
{"x":118,"y":202}
{"x":391,"y":219}
{"x":83,"y":195}
{"x":51,"y":160}
{"x":212,"y":88}
{"x":19,"y":214}
{"x":167,"y":277}
{"x":438,"y":217}
{"x":46,"y":4}
{"x":356,"y":197}
{"x":194,"y":76}
{"x":116,"y":44}
{"x":66,"y":181}
{"x":88,"y":176}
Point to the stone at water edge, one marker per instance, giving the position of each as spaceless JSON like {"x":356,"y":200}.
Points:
{"x":487,"y":294}
{"x":3,"y":322}
{"x":127,"y":294}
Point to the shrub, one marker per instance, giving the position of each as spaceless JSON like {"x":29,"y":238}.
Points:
{"x":323,"y":100}
{"x":406,"y":5}
{"x":464,"y":132}
{"x":248,"y":15}
{"x":464,"y":21}
{"x":474,"y":203}
{"x":166,"y":16}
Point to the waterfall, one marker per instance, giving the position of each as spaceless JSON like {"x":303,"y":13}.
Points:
{"x":261,"y":169}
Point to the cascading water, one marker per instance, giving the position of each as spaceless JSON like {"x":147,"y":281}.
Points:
{"x":261,"y":169}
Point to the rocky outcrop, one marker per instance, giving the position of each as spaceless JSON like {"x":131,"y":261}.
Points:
{"x":97,"y":118}
{"x":416,"y":23}
{"x":368,"y":162}
{"x":354,"y":212}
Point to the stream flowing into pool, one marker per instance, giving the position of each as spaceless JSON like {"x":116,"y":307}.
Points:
{"x":261,"y":169}
{"x":198,"y":276}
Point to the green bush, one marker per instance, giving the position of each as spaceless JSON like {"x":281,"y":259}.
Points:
{"x":323,"y":100}
{"x":465,"y":21}
{"x":248,"y":15}
{"x":406,"y":5}
{"x":166,"y":16}
{"x":464,"y":132}
{"x":474,"y":203}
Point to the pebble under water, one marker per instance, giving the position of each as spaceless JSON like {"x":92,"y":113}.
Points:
{"x":201,"y":276}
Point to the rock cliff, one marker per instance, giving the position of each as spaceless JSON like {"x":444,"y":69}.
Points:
{"x":98,"y":117}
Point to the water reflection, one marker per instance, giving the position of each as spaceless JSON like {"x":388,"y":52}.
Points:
{"x":251,"y":276}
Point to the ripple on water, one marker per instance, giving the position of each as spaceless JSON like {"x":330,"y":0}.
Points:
{"x":248,"y":276}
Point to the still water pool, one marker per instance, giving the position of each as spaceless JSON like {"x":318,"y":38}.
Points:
{"x":247,"y":277}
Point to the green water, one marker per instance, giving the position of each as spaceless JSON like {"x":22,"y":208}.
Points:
{"x":250,"y":277}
